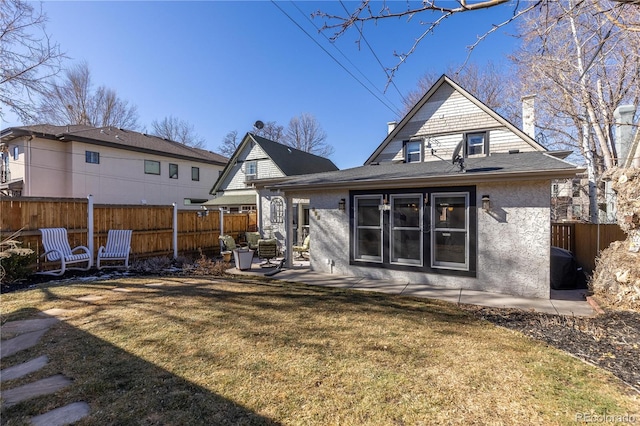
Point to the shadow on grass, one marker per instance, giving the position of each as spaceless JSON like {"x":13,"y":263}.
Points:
{"x":119,"y":387}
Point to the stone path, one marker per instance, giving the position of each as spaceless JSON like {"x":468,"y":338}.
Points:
{"x":27,"y":333}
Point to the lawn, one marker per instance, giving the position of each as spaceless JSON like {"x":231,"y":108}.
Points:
{"x":189,"y":351}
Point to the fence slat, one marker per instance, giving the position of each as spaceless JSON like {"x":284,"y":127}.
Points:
{"x":151,"y":225}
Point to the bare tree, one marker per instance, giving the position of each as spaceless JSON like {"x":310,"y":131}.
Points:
{"x":177,"y":130}
{"x":581,"y":66}
{"x":270,"y":130}
{"x":436,"y":12}
{"x":72,"y":101}
{"x":304,"y":133}
{"x":28,"y":57}
{"x":229,"y":144}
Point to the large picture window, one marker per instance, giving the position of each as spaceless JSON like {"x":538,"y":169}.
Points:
{"x":151,"y":167}
{"x":368,"y":228}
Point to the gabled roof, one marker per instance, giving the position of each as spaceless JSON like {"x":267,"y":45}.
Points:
{"x":290,"y":161}
{"x":494,"y":168}
{"x":117,"y":138}
{"x":446,"y":80}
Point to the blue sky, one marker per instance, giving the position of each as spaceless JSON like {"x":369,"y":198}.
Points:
{"x":223,"y":65}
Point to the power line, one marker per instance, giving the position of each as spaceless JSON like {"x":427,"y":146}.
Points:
{"x":375,"y":56}
{"x":332,"y":57}
{"x":347,"y":58}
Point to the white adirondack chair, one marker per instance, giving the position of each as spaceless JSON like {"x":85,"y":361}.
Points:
{"x":117,"y":249}
{"x":57,"y":249}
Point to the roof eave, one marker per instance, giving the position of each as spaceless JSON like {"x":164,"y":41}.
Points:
{"x":440,"y":180}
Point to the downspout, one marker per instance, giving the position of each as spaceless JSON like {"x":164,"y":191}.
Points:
{"x":175,"y":231}
{"x":90,"y":227}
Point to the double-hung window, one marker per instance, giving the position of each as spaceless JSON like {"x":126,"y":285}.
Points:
{"x":368,"y":228}
{"x":476,"y":144}
{"x":413,"y":151}
{"x":406,"y":229}
{"x":173,"y":171}
{"x":450,"y":231}
{"x":92,"y":157}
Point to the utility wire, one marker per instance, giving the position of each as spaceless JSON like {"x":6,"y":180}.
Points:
{"x":333,"y":57}
{"x":375,"y":56}
{"x":347,"y":58}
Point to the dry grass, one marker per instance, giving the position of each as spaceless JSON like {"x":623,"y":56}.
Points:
{"x":211,"y":351}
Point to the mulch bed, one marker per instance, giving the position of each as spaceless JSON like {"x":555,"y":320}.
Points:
{"x":610,"y":341}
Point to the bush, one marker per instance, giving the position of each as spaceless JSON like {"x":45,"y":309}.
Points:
{"x":206,"y":266}
{"x":152,"y":264}
{"x":16,"y":263}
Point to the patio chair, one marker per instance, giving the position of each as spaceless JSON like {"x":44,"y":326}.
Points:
{"x":252,"y":239}
{"x":227,"y":243}
{"x":267,"y":249}
{"x":301,"y":250}
{"x":117,"y":249}
{"x":57,"y":249}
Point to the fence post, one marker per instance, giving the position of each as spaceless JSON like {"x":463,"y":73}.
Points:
{"x":221,"y":221}
{"x":90,"y":225}
{"x":175,"y":231}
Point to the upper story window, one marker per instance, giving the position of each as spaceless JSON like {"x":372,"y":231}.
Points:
{"x":151,"y":167}
{"x":476,"y":144}
{"x":412,"y":151}
{"x":173,"y":171}
{"x":16,"y":152}
{"x":251,"y":170}
{"x":92,"y":157}
{"x":195,"y":173}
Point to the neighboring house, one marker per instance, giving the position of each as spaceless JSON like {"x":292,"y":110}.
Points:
{"x":570,"y":199}
{"x":412,"y":213}
{"x":259,"y":159}
{"x":114,"y":165}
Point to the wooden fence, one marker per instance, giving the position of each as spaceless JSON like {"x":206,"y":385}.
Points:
{"x":153,"y":226}
{"x":585,"y":240}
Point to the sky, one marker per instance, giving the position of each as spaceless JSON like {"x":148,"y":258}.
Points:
{"x":223,"y":65}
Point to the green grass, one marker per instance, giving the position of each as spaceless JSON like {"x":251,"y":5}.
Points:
{"x":207,"y":351}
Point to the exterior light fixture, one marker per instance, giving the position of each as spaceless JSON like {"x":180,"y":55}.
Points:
{"x":342,"y":204}
{"x":486,"y":203}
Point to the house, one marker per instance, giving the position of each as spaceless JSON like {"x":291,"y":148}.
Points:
{"x":455,"y":196}
{"x":116,"y":166}
{"x":260,"y":159}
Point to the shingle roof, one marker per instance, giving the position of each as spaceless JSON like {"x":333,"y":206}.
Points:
{"x":293,"y":161}
{"x":116,"y":137}
{"x":523,"y":165}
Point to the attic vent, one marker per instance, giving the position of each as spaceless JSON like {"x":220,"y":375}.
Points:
{"x":514,"y":151}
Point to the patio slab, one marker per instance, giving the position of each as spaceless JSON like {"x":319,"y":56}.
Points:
{"x":21,"y":342}
{"x":31,"y":390}
{"x":23,"y":369}
{"x":62,"y":416}
{"x":25,"y":326}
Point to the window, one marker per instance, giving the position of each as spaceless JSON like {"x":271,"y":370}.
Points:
{"x":92,"y":157}
{"x":406,"y":229}
{"x":576,"y":211}
{"x":555,"y":190}
{"x":476,"y":144}
{"x":277,"y":210}
{"x":195,"y":173}
{"x":151,"y":167}
{"x":412,"y":151}
{"x":431,"y":230}
{"x":173,"y":171}
{"x":251,"y":170}
{"x":16,"y":152}
{"x":575,"y":188}
{"x":368,"y":228}
{"x":449,"y":237}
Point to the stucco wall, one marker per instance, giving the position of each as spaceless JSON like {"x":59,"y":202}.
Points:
{"x":513,"y":242}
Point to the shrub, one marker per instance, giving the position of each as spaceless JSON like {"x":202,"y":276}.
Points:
{"x":16,"y":263}
{"x":206,"y":266}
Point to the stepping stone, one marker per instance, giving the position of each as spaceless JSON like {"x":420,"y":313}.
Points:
{"x":122,"y":290}
{"x":23,"y":369}
{"x":41,"y":387}
{"x":155,"y":285}
{"x":56,"y":312}
{"x":90,"y":298}
{"x":62,"y":416}
{"x":25,"y":326}
{"x":23,"y":341}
